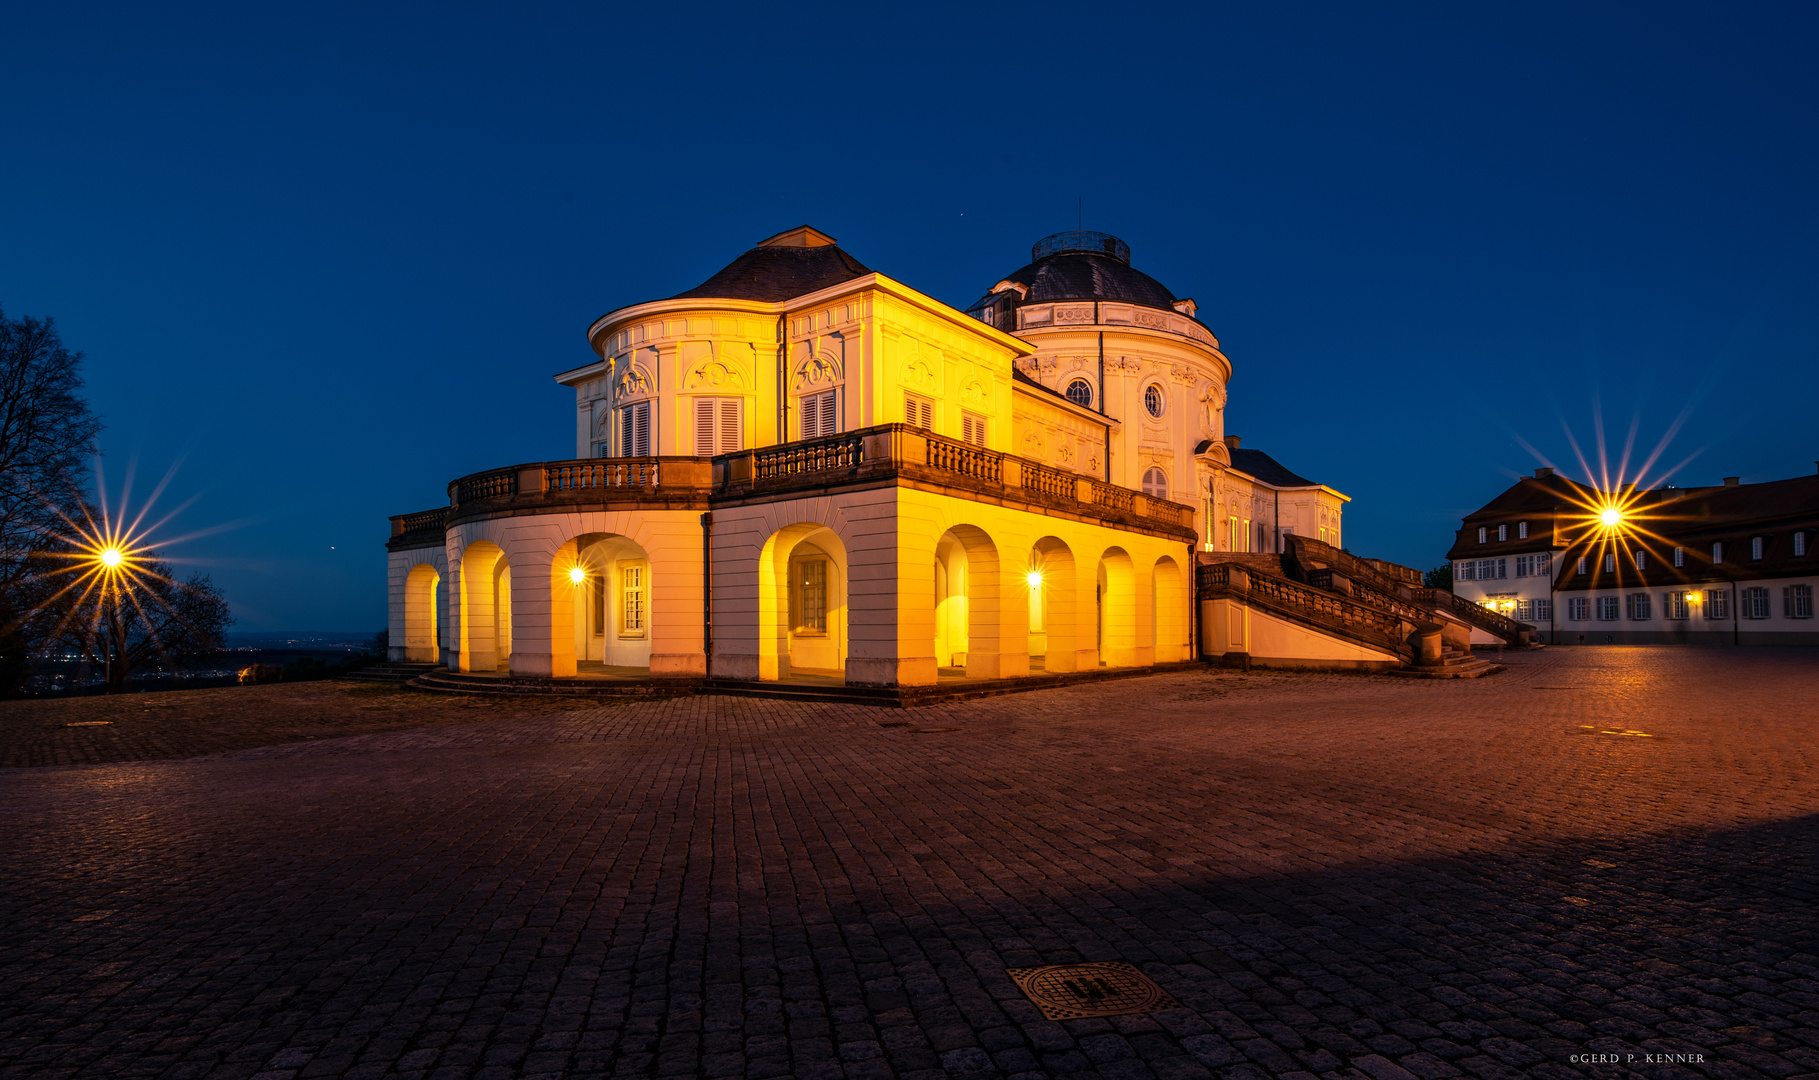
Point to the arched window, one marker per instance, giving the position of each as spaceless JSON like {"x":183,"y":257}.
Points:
{"x":1153,"y":400}
{"x":1080,"y":392}
{"x":1155,"y":483}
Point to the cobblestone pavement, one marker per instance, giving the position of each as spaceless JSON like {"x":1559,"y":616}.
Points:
{"x":185,"y":723}
{"x":1600,"y":851}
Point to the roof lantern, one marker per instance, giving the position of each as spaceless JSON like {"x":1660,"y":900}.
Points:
{"x":1081,"y":242}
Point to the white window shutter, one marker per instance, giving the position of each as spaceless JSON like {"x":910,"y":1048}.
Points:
{"x":811,"y":418}
{"x":828,"y":425}
{"x":641,"y":429}
{"x":732,"y":431}
{"x":704,"y":427}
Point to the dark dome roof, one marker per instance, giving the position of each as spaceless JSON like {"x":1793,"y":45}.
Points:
{"x":785,"y":266}
{"x":1085,"y":266}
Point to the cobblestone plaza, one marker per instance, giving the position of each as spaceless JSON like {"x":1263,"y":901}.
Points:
{"x":1605,"y":852}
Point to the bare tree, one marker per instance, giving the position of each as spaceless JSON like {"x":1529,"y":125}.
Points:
{"x":120,"y":618}
{"x":47,"y":436}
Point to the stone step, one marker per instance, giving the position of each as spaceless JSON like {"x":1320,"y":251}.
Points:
{"x":391,"y":673}
{"x":1472,"y":670}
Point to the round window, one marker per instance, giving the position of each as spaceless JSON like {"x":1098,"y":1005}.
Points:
{"x":1080,"y":392}
{"x":1155,"y":483}
{"x":1152,"y":399}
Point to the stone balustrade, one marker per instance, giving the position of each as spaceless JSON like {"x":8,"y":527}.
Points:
{"x":875,"y":456}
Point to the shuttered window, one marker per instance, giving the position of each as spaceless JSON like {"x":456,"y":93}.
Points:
{"x":918,"y":411}
{"x":818,"y":417}
{"x":1797,"y":601}
{"x":1607,"y":608}
{"x":972,"y":429}
{"x":719,"y":425}
{"x":635,"y":430}
{"x":1753,"y":603}
{"x":1717,"y":604}
{"x":632,"y":599}
{"x":1638,"y":604}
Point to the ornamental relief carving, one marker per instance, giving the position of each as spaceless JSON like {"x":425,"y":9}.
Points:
{"x":918,"y":373}
{"x":714,"y":375}
{"x":1082,"y":313}
{"x":817,"y":370}
{"x":973,"y":393}
{"x":1066,"y":453}
{"x":1124,"y":363}
{"x":634,"y":382}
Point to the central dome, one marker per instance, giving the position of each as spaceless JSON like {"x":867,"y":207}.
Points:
{"x":1079,"y":265}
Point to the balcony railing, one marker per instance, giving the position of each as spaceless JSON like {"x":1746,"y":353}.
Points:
{"x":845,"y":451}
{"x":604,"y":473}
{"x":882,"y":454}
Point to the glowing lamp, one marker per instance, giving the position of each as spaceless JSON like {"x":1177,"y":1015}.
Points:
{"x":110,"y":558}
{"x":1034,"y":577}
{"x":577,"y":575}
{"x":1611,"y":517}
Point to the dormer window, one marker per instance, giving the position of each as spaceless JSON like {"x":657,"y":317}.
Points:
{"x":1522,"y":530}
{"x":1756,"y":545}
{"x":1679,"y":556}
{"x":1641,"y":559}
{"x":1482,"y":533}
{"x":1799,"y":544}
{"x":1610,"y":562}
{"x":1503,"y":533}
{"x":1717,"y":552}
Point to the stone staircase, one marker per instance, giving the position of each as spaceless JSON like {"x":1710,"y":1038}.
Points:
{"x":1454,"y":664}
{"x":1367,"y":602}
{"x":391,"y":673}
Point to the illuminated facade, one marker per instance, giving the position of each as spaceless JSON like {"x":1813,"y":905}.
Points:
{"x":805,"y":469}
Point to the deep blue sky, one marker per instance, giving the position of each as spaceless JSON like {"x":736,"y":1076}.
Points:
{"x":334,"y":255}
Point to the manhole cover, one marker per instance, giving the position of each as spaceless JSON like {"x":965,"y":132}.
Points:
{"x":1075,"y":991}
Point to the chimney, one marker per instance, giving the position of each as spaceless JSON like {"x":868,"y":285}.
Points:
{"x":1543,"y":474}
{"x":1231,"y":442}
{"x":1732,"y":481}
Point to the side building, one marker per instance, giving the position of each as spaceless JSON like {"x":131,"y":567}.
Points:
{"x":1726,"y":564}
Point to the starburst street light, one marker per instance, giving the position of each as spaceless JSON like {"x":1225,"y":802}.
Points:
{"x":1611,"y":517}
{"x":576,"y":575}
{"x":111,"y":596}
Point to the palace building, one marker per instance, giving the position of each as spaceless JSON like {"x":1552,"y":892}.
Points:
{"x":805,"y":469}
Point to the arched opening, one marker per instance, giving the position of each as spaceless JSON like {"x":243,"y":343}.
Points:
{"x":485,"y":635}
{"x":802,"y":604}
{"x":967,"y":604}
{"x":1052,"y":581}
{"x":421,"y":594}
{"x":1117,"y":614}
{"x":1168,"y":612}
{"x":609,"y":578}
